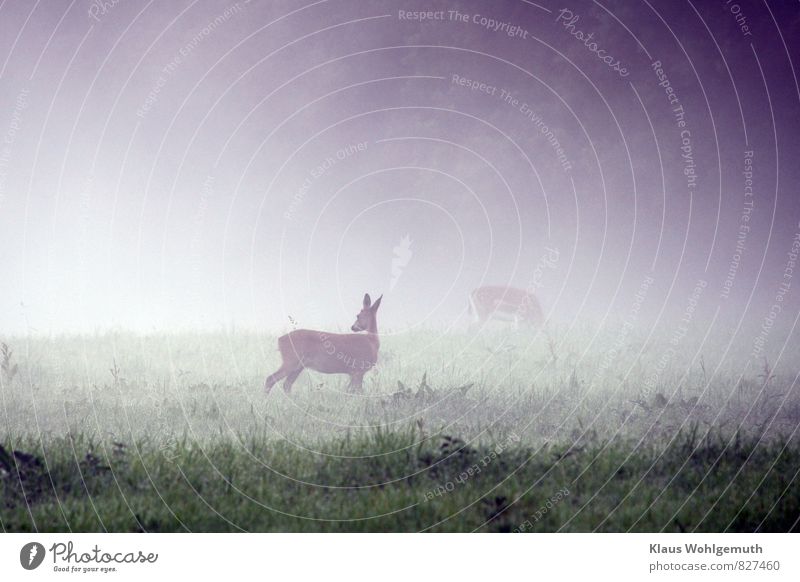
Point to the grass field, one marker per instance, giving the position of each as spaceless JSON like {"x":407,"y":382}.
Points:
{"x":499,"y":431}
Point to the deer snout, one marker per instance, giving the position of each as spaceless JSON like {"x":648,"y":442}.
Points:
{"x":355,"y":327}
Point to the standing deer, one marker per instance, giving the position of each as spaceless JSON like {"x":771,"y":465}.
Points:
{"x":505,"y":304}
{"x":331,"y":353}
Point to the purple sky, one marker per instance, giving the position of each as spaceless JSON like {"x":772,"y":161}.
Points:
{"x":192,"y":164}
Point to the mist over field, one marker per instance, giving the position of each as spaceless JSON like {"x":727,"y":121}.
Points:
{"x":182,"y":183}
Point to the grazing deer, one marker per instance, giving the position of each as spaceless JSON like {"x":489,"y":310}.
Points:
{"x":331,"y":353}
{"x":505,"y":304}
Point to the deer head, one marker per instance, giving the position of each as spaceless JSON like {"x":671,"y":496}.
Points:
{"x":366,"y":319}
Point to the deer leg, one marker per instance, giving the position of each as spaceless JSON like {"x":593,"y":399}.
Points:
{"x":290,"y":378}
{"x":273,"y":379}
{"x":356,"y":382}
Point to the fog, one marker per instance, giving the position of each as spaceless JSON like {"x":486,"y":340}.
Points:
{"x":205,"y":165}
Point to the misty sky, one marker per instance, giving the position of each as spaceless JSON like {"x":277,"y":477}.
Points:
{"x":185,"y":165}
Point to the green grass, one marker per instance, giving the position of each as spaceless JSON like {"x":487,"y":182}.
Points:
{"x":403,"y":481}
{"x":173,"y":432}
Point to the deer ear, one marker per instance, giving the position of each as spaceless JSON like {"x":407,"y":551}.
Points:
{"x":377,"y":303}
{"x":367,"y":301}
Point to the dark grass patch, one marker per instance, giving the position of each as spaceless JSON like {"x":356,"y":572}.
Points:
{"x":400,"y":481}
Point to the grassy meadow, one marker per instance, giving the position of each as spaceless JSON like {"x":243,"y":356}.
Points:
{"x":455,"y":431}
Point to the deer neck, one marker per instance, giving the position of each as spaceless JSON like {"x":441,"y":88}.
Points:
{"x":372,"y":332}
